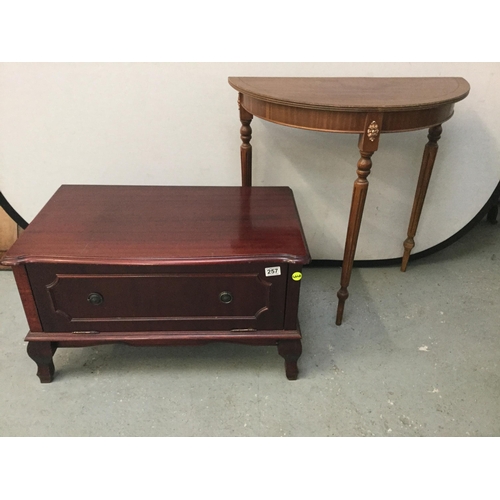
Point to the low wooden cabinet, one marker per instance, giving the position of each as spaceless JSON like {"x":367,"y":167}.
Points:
{"x":161,"y":266}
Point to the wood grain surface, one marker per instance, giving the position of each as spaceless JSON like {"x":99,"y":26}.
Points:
{"x":156,"y":224}
{"x":358,"y":94}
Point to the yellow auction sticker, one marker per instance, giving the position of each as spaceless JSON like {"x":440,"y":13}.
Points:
{"x":297,"y":276}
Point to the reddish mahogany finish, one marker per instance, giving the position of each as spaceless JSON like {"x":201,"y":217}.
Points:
{"x":155,"y":225}
{"x":149,"y":265}
{"x":366,"y":106}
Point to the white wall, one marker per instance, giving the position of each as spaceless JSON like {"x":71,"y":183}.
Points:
{"x":177,"y":124}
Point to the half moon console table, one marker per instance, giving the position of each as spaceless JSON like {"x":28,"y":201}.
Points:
{"x":364,"y":106}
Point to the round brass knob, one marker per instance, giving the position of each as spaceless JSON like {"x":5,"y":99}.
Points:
{"x":226,"y":297}
{"x":96,"y":299}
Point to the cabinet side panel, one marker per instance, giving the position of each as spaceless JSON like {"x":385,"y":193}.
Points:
{"x":292,"y":296}
{"x":26,"y":293}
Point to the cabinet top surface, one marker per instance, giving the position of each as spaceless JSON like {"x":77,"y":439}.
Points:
{"x":163,"y":225}
{"x":354,"y":94}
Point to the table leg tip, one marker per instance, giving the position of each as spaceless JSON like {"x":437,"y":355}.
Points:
{"x":404,"y":263}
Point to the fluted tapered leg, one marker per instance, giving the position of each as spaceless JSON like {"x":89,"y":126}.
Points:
{"x":357,"y":207}
{"x":428,"y":159}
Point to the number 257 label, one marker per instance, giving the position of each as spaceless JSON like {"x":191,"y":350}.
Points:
{"x":273,"y":271}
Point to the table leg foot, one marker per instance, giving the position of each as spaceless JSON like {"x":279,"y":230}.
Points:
{"x":342,"y":294}
{"x":290,"y":350}
{"x":42,"y":354}
{"x":408,"y":246}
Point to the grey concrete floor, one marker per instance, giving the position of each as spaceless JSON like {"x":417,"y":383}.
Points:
{"x":418,"y":354}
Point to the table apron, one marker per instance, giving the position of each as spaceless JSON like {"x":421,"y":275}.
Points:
{"x":350,"y":122}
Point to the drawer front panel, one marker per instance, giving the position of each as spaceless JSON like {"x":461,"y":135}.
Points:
{"x":116,"y":301}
